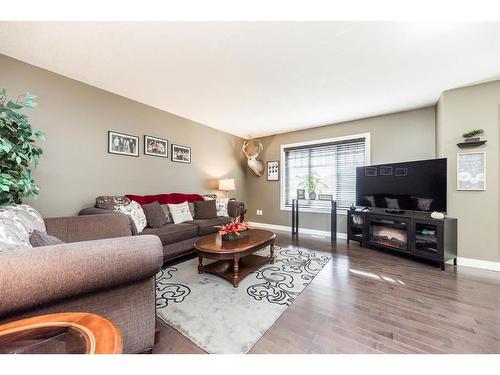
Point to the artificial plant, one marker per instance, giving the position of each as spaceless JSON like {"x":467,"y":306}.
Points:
{"x":312,"y":183}
{"x":473,"y":133}
{"x":17,"y":149}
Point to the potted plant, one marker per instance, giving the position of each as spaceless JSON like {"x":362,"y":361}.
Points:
{"x":17,"y":149}
{"x":312,"y":184}
{"x":471,"y":136}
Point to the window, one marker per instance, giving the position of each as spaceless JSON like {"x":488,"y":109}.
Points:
{"x":323,"y":167}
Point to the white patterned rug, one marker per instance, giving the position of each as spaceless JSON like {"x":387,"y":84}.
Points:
{"x":222,"y":319}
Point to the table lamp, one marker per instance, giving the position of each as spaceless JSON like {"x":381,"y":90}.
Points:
{"x":226,"y":185}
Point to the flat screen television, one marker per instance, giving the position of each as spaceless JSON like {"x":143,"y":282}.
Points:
{"x":415,"y":185}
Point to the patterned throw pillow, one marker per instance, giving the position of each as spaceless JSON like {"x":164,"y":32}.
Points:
{"x":221,"y":204}
{"x":134,"y":210}
{"x":180,"y":212}
{"x":110,"y":202}
{"x":17,"y":222}
{"x":167,"y":213}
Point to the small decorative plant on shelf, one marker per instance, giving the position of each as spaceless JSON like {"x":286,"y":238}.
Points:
{"x":312,"y":184}
{"x":17,"y":149}
{"x":472,"y":136}
{"x":234,"y":230}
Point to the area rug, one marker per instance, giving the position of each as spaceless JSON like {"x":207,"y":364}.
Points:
{"x":222,"y":319}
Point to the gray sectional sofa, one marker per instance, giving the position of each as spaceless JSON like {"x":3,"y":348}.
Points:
{"x":177,"y":239}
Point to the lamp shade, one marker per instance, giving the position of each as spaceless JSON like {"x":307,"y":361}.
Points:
{"x":226,"y":184}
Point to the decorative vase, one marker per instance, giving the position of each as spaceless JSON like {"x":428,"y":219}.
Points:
{"x":234,"y":236}
{"x":312,"y":195}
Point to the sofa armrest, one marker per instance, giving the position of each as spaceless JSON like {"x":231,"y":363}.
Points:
{"x":88,"y":227}
{"x":236,"y":209}
{"x":104,"y":211}
{"x":33,"y":277}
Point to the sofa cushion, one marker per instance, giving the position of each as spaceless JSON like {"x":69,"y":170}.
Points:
{"x":205,"y":210}
{"x":207,"y":226}
{"x":172,"y":233}
{"x":38,"y":239}
{"x":154,"y":214}
{"x":167,"y":213}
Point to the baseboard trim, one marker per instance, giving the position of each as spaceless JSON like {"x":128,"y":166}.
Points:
{"x":284,"y":228}
{"x":464,"y":262}
{"x":478,"y":263}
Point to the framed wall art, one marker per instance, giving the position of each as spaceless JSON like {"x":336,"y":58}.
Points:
{"x":471,"y":171}
{"x":123,"y":144}
{"x":154,"y":146}
{"x":181,"y":154}
{"x":273,"y":170}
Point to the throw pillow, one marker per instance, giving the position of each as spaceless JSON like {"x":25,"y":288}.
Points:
{"x":180,"y":212}
{"x":221,"y":204}
{"x":167,"y":213}
{"x":392,"y":203}
{"x":17,"y":222}
{"x":111,"y":202}
{"x":134,"y":210}
{"x":191,"y":208}
{"x":154,"y":214}
{"x":38,"y":239}
{"x":205,"y":209}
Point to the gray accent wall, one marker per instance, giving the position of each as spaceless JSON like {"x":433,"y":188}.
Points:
{"x":76,"y":166}
{"x":396,"y":137}
{"x":478,"y":212}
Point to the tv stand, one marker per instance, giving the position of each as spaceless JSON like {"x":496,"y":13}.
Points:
{"x":410,"y":233}
{"x":395,"y":212}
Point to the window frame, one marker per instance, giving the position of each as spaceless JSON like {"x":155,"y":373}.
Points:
{"x":318,"y":142}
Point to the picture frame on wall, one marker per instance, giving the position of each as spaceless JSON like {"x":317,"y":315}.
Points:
{"x":123,"y":144}
{"x":273,"y":170}
{"x":471,"y":171}
{"x":181,"y":154}
{"x":155,"y":146}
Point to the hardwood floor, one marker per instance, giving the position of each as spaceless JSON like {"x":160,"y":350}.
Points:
{"x":369,"y":301}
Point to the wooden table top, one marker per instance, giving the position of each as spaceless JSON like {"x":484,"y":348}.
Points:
{"x":75,"y":333}
{"x":214,"y":244}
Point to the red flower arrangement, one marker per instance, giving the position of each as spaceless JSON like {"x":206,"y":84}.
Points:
{"x":235,"y":227}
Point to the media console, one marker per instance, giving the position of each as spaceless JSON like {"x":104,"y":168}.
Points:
{"x":413,"y":234}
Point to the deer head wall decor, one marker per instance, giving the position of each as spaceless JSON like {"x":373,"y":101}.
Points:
{"x":257,"y":166}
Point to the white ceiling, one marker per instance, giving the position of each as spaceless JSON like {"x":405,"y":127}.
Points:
{"x":254,"y":78}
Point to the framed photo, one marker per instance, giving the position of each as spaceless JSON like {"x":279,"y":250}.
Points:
{"x":155,"y":146}
{"x":273,"y":171}
{"x":123,"y":144}
{"x":401,"y":172}
{"x":371,"y":171}
{"x":385,"y":171}
{"x":301,"y":194}
{"x":181,"y":154}
{"x":471,"y":171}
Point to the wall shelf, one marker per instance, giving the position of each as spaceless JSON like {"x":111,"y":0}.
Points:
{"x":471,"y":144}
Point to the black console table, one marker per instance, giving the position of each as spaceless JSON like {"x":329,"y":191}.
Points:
{"x":333,"y":219}
{"x":413,"y":234}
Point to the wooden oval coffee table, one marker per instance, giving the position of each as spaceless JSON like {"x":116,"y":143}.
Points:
{"x":236,"y":258}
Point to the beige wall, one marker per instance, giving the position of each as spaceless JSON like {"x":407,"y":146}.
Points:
{"x":478,"y":212}
{"x":396,"y":137}
{"x":76,"y":166}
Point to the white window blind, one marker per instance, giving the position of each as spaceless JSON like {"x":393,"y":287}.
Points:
{"x":332,"y":165}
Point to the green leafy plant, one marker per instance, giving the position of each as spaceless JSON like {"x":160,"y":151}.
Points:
{"x":17,"y":149}
{"x":473,"y":133}
{"x":312,"y":184}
